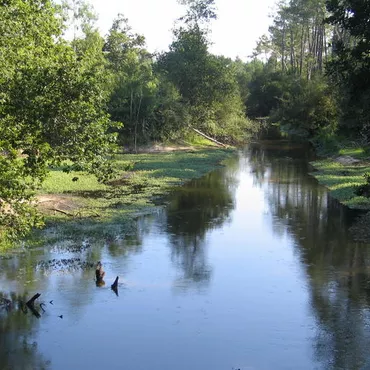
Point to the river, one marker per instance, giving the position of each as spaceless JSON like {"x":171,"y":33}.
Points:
{"x":249,"y":267}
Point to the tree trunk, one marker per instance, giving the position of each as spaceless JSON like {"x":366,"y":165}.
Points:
{"x":209,"y":138}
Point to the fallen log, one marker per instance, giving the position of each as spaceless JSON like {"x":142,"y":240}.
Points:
{"x":209,"y":138}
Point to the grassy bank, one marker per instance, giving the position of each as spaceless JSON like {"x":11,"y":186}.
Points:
{"x":76,"y":204}
{"x":343,"y":174}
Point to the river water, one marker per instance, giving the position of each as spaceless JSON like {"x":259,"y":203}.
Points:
{"x":249,"y":267}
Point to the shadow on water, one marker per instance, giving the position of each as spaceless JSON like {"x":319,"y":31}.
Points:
{"x":338,"y":268}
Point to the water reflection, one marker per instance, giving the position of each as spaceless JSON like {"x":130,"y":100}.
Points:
{"x":261,"y":256}
{"x":196,"y":208}
{"x":64,"y":274}
{"x":338,"y":268}
{"x":18,"y":350}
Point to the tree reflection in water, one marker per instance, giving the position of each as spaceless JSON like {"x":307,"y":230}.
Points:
{"x":41,"y":270}
{"x":196,"y":208}
{"x":337,"y":267}
{"x":17,"y":348}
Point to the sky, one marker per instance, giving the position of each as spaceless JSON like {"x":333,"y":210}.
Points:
{"x":239,"y":25}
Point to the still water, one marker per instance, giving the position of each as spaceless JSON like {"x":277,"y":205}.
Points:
{"x":249,"y":267}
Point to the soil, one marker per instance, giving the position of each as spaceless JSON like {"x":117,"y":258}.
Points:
{"x":51,"y":203}
{"x":347,"y":160}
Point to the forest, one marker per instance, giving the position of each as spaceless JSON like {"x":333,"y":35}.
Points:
{"x":74,"y":102}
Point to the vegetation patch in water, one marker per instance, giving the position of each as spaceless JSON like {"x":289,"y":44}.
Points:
{"x":76,"y":205}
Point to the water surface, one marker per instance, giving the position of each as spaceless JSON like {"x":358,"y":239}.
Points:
{"x":249,"y":267}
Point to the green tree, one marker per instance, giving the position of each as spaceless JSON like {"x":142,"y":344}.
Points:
{"x":306,"y":108}
{"x":350,"y":65}
{"x":206,"y":83}
{"x":50,"y":110}
{"x":298,"y":37}
{"x":170,"y":117}
{"x":134,"y":83}
{"x":198,"y":11}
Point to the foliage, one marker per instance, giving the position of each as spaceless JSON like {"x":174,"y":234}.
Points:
{"x":206,"y":83}
{"x":297,"y":38}
{"x":51,"y":109}
{"x":198,"y":11}
{"x":266,"y":88}
{"x":306,"y":108}
{"x":170,"y":117}
{"x":134,"y":84}
{"x":350,"y":66}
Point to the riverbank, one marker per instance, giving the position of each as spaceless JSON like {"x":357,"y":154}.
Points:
{"x":344,"y":174}
{"x":76,"y":205}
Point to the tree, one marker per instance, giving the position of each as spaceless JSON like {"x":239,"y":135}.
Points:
{"x":134,"y":83}
{"x":350,"y":66}
{"x":306,"y":108}
{"x":170,"y":117}
{"x":298,"y":37}
{"x":50,"y":111}
{"x":198,"y":11}
{"x":207,"y":83}
{"x":79,"y":16}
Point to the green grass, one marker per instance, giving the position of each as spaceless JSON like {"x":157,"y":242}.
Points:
{"x":61,"y":182}
{"x":343,"y":180}
{"x":192,"y":138}
{"x":110,"y":209}
{"x":356,"y":152}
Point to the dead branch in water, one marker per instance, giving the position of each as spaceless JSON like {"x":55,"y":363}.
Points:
{"x":31,"y":305}
{"x":31,"y":302}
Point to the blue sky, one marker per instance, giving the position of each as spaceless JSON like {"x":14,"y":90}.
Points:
{"x":239,"y":25}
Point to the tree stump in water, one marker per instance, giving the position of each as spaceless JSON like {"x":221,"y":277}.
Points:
{"x":99,"y":274}
{"x":114,"y":286}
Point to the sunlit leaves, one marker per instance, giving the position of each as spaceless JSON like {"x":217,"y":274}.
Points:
{"x":350,"y":67}
{"x":51,"y":108}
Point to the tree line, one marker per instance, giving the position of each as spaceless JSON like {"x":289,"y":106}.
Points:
{"x":315,"y":79}
{"x":75,"y":101}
